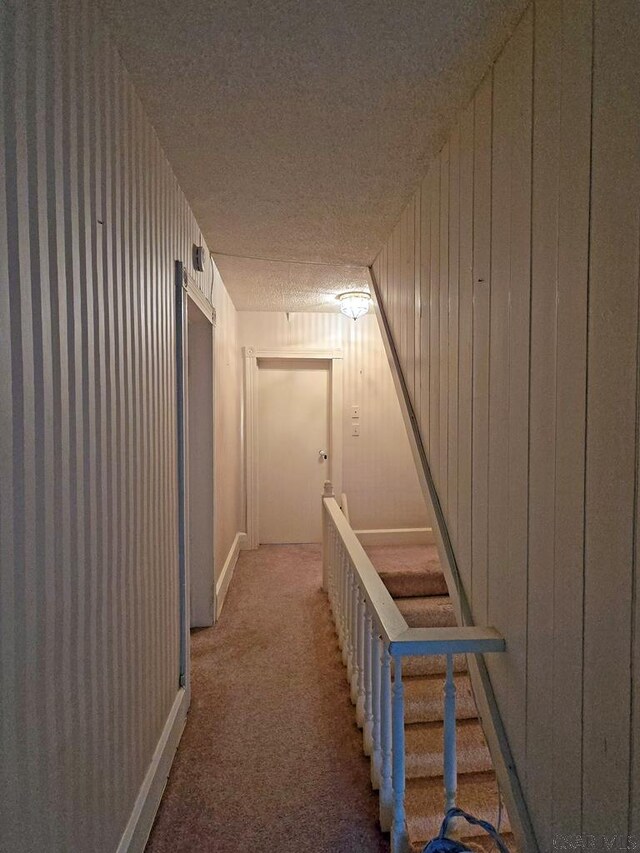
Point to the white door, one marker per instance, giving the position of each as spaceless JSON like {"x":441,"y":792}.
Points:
{"x":293,"y":435}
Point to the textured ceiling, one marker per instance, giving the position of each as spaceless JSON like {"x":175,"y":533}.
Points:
{"x":259,"y":285}
{"x":298,"y":128}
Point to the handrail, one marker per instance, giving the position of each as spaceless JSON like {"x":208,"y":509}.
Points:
{"x":391,"y":623}
{"x":344,"y":504}
{"x":393,"y":627}
{"x":373,"y":633}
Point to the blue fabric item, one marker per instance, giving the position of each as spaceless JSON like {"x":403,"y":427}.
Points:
{"x":442,"y":844}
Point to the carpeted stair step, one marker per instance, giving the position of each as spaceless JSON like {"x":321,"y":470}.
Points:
{"x":410,"y":581}
{"x":424,"y":749}
{"x":424,"y":699}
{"x":425,"y":665}
{"x":485,"y":844}
{"x":477,"y":794}
{"x":409,"y":570}
{"x":434,"y":611}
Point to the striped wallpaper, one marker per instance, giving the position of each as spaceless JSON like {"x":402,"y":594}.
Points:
{"x":91,"y":223}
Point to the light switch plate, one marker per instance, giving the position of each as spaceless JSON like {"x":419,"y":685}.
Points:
{"x":355,"y":429}
{"x":355,"y":411}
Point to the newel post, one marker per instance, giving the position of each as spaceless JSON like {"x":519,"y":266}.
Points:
{"x":327,"y":493}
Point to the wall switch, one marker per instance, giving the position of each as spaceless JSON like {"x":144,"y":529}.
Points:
{"x":355,"y":429}
{"x":355,"y":411}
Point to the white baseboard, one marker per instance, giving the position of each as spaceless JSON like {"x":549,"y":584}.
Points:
{"x":136,"y":833}
{"x":239,"y":543}
{"x":397,"y":536}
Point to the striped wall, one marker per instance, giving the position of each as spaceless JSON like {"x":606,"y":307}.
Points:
{"x":511,"y":287}
{"x":379,"y":476}
{"x":91,"y":223}
{"x":228,"y":515}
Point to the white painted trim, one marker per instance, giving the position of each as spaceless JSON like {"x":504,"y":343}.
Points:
{"x":191,"y":287}
{"x":397,"y":536}
{"x":251,"y":356}
{"x":226,"y":574}
{"x":488,"y":712}
{"x":136,"y":833}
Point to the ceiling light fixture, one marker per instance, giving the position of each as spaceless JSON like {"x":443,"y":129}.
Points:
{"x":354,"y":303}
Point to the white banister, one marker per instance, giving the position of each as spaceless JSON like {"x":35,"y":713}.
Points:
{"x":386,"y":785}
{"x":354,"y":639}
{"x":328,"y":493}
{"x":398,"y":826}
{"x":372,"y":631}
{"x":367,"y":728}
{"x":360,"y":661}
{"x":450,"y":758}
{"x":376,"y":753}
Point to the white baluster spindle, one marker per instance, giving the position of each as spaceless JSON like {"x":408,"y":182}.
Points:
{"x":398,"y":828}
{"x":376,"y":753}
{"x":450,"y":758}
{"x":367,"y":728}
{"x":360,"y":673}
{"x":386,"y":789}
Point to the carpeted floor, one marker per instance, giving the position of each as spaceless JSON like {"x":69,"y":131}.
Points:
{"x":271,"y":758}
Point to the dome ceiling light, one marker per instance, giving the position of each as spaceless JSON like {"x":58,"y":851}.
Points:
{"x":354,"y":303}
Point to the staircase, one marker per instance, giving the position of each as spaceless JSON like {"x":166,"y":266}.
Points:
{"x":414,"y":578}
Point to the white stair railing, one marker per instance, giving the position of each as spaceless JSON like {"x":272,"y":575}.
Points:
{"x":374,"y":638}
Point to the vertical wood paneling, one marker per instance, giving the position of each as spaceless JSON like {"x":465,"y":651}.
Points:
{"x":481,"y":319}
{"x":409,"y":289}
{"x":454,"y":319}
{"x":611,"y":400}
{"x":434,"y":322}
{"x":497,"y":566}
{"x":425,"y":309}
{"x":571,"y":371}
{"x":520,"y":51}
{"x":443,"y":290}
{"x":544,"y":268}
{"x":91,"y":222}
{"x":537,"y":467}
{"x":417,"y":305}
{"x":465,"y":346}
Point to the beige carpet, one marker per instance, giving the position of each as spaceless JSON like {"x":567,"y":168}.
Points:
{"x":271,"y":758}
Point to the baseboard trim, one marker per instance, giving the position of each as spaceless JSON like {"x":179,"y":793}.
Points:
{"x":397,"y":536}
{"x":239,"y":543}
{"x":138,"y":828}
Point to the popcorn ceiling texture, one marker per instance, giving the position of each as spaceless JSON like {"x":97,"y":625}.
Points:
{"x":283,"y":286}
{"x":298,"y":129}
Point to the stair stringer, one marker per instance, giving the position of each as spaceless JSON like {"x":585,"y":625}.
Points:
{"x":488,"y":711}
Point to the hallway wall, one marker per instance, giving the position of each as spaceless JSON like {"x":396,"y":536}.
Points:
{"x":379,"y":477}
{"x":228,"y":514}
{"x":511,"y":287}
{"x":91,"y":223}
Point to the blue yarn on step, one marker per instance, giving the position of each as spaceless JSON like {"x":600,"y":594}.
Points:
{"x":442,"y":844}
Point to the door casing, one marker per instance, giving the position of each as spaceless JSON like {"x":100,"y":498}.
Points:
{"x":251,"y":357}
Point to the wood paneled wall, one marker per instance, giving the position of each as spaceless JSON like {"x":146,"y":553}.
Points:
{"x":511,"y":287}
{"x":91,"y":223}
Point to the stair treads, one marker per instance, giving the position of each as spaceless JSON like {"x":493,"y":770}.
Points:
{"x":418,"y":665}
{"x":387,"y":557}
{"x":410,"y":581}
{"x":477,"y":794}
{"x":424,"y":749}
{"x":424,"y":699}
{"x":428,"y":612}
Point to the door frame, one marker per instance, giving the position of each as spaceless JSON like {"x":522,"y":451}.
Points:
{"x":186,"y":289}
{"x":250,"y":479}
